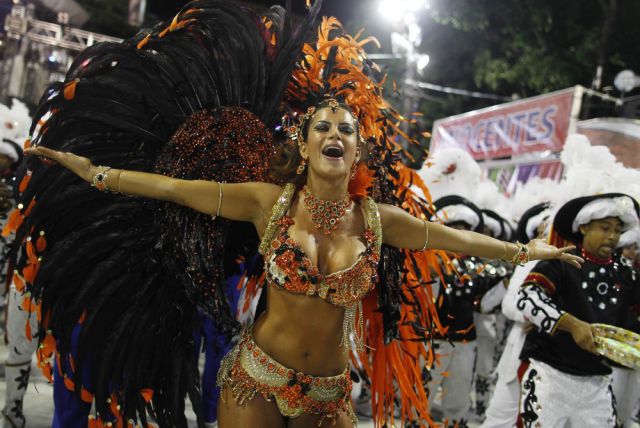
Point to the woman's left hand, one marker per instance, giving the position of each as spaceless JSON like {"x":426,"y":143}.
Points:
{"x":540,"y":250}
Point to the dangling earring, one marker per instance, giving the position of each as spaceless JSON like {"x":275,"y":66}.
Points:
{"x":354,"y":165}
{"x":301,"y":167}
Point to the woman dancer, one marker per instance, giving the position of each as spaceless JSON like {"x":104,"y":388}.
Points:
{"x":317,"y":264}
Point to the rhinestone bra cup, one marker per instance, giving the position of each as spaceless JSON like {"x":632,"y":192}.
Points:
{"x":289,"y":268}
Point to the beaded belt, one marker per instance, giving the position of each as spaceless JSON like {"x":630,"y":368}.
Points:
{"x":247,"y":369}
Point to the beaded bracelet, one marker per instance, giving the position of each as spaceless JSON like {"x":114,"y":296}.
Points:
{"x":99,"y":180}
{"x":521,"y":257}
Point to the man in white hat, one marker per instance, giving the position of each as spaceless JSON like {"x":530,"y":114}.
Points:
{"x":563,"y":379}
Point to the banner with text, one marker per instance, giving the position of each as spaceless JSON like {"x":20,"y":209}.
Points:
{"x":531,"y":125}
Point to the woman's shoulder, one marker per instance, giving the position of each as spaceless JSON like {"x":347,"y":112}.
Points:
{"x":267,"y":193}
{"x":273,"y":195}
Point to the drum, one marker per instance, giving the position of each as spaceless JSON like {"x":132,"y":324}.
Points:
{"x":618,"y":344}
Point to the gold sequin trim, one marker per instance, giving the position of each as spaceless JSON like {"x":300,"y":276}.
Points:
{"x":373,"y":220}
{"x":279,"y":209}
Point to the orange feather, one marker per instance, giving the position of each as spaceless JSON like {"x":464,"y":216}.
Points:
{"x":27,"y":304}
{"x":86,"y":396}
{"x":69,"y":383}
{"x":70,"y":89}
{"x":147,"y":394}
{"x":362,"y":182}
{"x":41,"y":243}
{"x":18,"y":282}
{"x":47,"y":372}
{"x":13,"y":223}
{"x":144,"y":41}
{"x":24,"y":182}
{"x":30,"y":208}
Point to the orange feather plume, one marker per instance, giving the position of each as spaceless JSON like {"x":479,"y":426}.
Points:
{"x":70,"y":90}
{"x":362,"y":182}
{"x":18,"y":281}
{"x":147,"y":394}
{"x":24,"y":182}
{"x":13,"y":223}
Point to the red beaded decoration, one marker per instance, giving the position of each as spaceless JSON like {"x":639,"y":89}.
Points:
{"x":325,"y":214}
{"x":212,"y":144}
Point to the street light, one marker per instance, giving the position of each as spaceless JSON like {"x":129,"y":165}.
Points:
{"x":390,"y":11}
{"x":396,"y":10}
{"x":626,"y":81}
{"x":402,"y":14}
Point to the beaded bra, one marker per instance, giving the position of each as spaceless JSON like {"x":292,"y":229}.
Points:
{"x":287,"y":266}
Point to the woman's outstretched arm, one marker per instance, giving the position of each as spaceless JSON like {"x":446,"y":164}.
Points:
{"x":402,"y":230}
{"x":240,"y":201}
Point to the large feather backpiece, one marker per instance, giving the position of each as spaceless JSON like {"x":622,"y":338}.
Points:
{"x":194,"y":99}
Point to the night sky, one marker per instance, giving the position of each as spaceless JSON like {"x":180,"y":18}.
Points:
{"x":342,"y":9}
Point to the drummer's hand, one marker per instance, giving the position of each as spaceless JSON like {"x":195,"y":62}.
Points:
{"x":79,"y":165}
{"x":582,"y":332}
{"x":540,"y":250}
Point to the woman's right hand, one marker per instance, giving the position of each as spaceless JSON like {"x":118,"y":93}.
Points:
{"x":79,"y":165}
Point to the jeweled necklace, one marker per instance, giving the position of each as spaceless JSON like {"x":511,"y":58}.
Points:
{"x":325,"y":214}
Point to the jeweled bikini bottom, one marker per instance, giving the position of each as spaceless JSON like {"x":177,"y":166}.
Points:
{"x":247,"y":369}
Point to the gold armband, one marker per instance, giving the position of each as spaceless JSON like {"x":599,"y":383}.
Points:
{"x":426,"y":235}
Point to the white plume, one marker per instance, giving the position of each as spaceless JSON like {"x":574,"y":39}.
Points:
{"x":591,"y":170}
{"x":14,"y":121}
{"x":450,"y":171}
{"x":535,"y":191}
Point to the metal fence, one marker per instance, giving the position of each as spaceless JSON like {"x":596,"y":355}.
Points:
{"x":35,"y":53}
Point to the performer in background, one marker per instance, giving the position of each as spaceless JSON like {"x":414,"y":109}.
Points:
{"x":458,"y":295}
{"x":14,"y":123}
{"x":503,"y":407}
{"x":215,"y":344}
{"x":491,"y":285}
{"x":563,"y":379}
{"x":626,"y":382}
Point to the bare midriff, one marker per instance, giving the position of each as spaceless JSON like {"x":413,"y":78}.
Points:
{"x":303,"y":333}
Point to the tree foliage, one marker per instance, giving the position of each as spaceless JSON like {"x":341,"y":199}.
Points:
{"x":528,"y":47}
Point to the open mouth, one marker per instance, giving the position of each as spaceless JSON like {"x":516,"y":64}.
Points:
{"x":334,"y":152}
